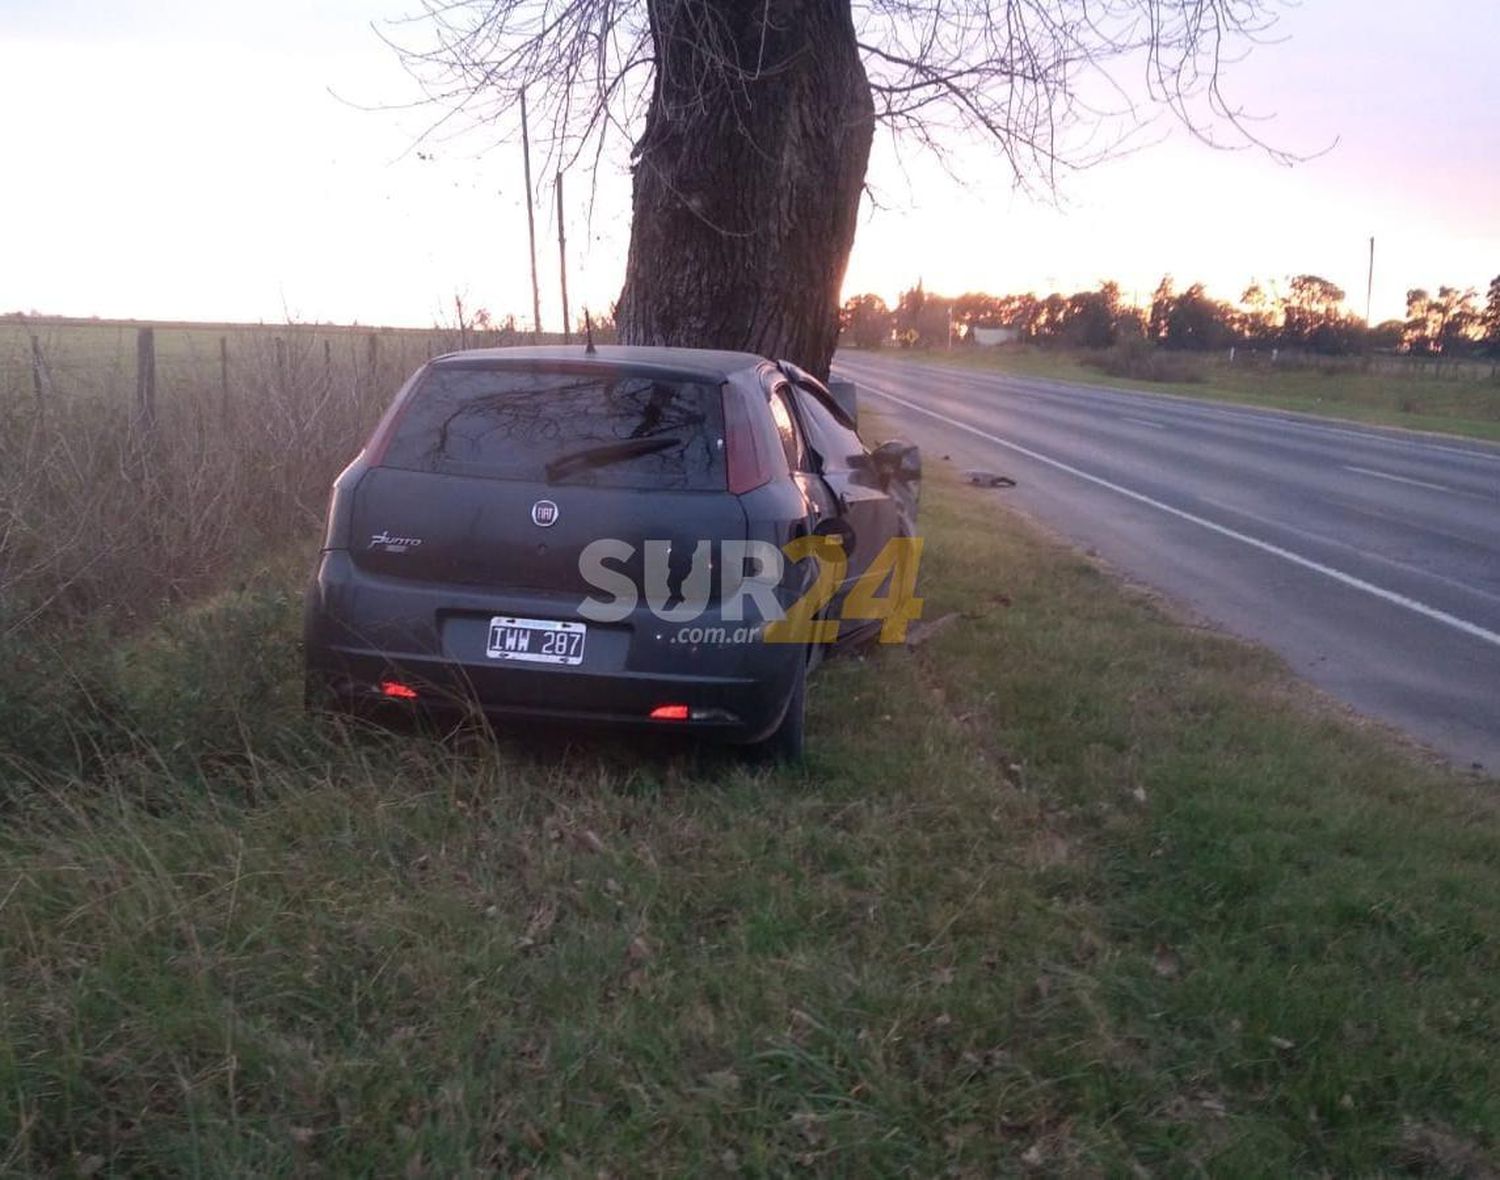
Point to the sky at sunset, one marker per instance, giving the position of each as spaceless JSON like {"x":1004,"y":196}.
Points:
{"x":169,"y":159}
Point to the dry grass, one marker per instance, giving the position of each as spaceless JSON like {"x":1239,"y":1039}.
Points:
{"x":1140,"y":361}
{"x":104,"y":520}
{"x":1069,"y":890}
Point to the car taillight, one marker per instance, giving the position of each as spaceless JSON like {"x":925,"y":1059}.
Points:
{"x":745,"y":461}
{"x":669,"y":713}
{"x":394,"y":688}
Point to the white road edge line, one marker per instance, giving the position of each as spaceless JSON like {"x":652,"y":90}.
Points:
{"x":1401,"y":600}
{"x":1142,"y":422}
{"x":1416,"y":483}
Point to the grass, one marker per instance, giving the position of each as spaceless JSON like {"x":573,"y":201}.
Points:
{"x":1468,"y":406}
{"x":99,"y":356}
{"x":110,"y":516}
{"x":106,"y":522}
{"x":1070,"y":888}
{"x":97,"y":360}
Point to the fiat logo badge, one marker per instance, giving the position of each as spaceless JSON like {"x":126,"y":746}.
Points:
{"x":544,"y":514}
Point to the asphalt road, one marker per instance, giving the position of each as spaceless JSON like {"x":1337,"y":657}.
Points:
{"x":1369,"y":559}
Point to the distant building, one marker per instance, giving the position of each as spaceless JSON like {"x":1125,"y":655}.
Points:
{"x":990,"y":337}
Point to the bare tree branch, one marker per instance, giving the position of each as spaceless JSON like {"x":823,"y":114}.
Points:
{"x":1052,"y":84}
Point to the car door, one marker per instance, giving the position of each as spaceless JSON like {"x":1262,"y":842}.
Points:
{"x":861,"y":495}
{"x":821,"y":503}
{"x":827,"y":512}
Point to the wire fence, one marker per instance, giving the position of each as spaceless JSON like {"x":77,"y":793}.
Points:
{"x":141,"y":464}
{"x":217,"y":365}
{"x":1405,"y":366}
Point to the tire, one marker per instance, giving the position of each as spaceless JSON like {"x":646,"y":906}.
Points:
{"x":787,"y":742}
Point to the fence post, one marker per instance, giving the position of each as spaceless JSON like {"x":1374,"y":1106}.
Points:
{"x":38,"y":370}
{"x":223,"y":377}
{"x":281,"y":362}
{"x":145,"y":378}
{"x":372,"y":347}
{"x":327,"y":361}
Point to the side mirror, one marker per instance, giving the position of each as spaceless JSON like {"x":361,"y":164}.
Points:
{"x":897,"y":459}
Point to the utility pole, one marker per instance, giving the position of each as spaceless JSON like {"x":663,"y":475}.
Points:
{"x":562,"y":262}
{"x":536,"y":294}
{"x":1370,"y":283}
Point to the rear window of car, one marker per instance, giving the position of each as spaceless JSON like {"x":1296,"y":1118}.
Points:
{"x":607,"y":430}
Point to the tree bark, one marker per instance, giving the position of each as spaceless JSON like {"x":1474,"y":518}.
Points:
{"x":747,"y":178}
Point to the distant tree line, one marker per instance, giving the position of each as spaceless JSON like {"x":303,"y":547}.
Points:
{"x":1307,"y":314}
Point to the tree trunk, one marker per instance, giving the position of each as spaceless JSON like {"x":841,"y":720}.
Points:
{"x":748,"y":178}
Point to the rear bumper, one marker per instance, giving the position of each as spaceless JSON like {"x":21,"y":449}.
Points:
{"x":364,"y":630}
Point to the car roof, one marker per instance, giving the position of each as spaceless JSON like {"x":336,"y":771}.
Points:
{"x":691,"y":362}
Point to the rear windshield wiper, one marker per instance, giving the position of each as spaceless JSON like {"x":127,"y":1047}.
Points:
{"x":607,"y":453}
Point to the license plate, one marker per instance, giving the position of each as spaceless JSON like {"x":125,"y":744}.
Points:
{"x":536,"y":641}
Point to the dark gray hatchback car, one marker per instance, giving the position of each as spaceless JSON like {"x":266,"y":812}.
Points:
{"x":568,"y":534}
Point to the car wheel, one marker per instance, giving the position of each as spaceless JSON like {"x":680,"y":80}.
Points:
{"x":786,"y":742}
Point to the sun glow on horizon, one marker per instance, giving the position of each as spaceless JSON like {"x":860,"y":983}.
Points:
{"x":175,"y":166}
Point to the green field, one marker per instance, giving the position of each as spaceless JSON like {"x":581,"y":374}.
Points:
{"x":99,"y":357}
{"x":1391,"y":394}
{"x":1071,"y":888}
